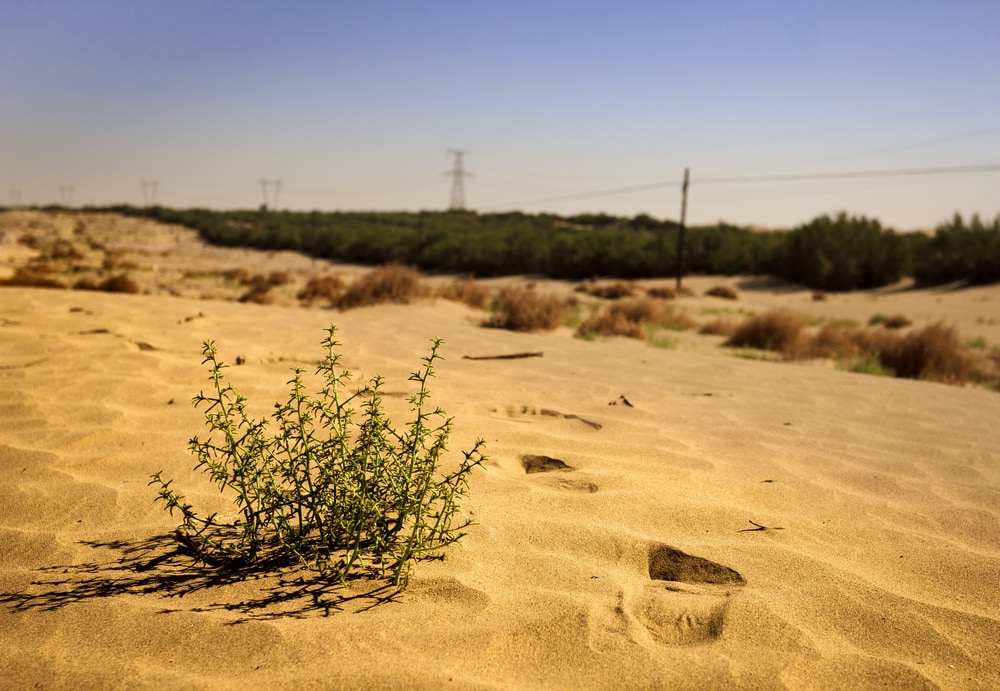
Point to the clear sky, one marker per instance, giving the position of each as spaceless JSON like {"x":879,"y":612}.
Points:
{"x":353,"y":105}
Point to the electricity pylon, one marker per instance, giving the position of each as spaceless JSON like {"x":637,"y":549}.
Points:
{"x":458,"y":175}
{"x":264,"y":186}
{"x":149,"y":191}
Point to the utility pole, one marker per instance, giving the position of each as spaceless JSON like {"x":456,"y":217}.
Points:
{"x":458,"y":175}
{"x":680,"y":234}
{"x":149,"y":191}
{"x":264,"y":186}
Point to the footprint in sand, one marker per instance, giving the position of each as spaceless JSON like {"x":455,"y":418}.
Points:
{"x":533,"y":464}
{"x":526,"y":410}
{"x":686,"y":602}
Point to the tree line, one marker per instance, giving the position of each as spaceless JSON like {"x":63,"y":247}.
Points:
{"x":839,"y":252}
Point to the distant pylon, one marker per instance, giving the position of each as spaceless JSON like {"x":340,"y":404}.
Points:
{"x":458,"y":175}
{"x":66,"y":194}
{"x":149,"y":191}
{"x":264,"y":186}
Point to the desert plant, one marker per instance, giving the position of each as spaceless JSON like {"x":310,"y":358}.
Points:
{"x":389,"y":283}
{"x":120,"y":283}
{"x":661,"y":292}
{"x":520,"y":309}
{"x":896,"y":321}
{"x":724,"y":292}
{"x":327,"y":288}
{"x":608,"y":291}
{"x":777,"y":330}
{"x":32,"y":276}
{"x":260,"y":294}
{"x":720,"y":326}
{"x":322,"y":490}
{"x":933,"y":352}
{"x":466,"y":291}
{"x":632,"y":317}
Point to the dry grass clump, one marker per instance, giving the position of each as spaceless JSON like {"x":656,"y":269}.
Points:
{"x":114,"y":261}
{"x":521,"y":309}
{"x":64,"y":250}
{"x":32,"y":277}
{"x":633,"y":317}
{"x":933,"y":352}
{"x":613,"y":291}
{"x":389,"y":283}
{"x":661,"y":292}
{"x":896,"y":321}
{"x":466,"y":291}
{"x":121,"y":283}
{"x":778,"y":330}
{"x":260,"y":294}
{"x":724,"y":292}
{"x":238,"y":275}
{"x":326,"y":288}
{"x":720,"y":326}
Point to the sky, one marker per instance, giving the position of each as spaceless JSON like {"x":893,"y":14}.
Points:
{"x":560,"y":106}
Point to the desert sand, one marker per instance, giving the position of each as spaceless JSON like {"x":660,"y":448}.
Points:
{"x":739,"y":523}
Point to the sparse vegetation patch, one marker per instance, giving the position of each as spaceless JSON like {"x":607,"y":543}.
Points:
{"x":316,"y":487}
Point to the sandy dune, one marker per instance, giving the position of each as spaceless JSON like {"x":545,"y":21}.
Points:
{"x":738,"y":524}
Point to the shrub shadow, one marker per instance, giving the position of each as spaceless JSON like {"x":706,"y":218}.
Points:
{"x":159,"y":566}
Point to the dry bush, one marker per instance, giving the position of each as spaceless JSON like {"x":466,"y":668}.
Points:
{"x":933,"y":352}
{"x":122,"y":283}
{"x":520,"y":309}
{"x":114,"y":260}
{"x":819,"y":296}
{"x":466,"y":291}
{"x":724,"y":292}
{"x":720,"y":326}
{"x":28,"y":240}
{"x":612,"y":323}
{"x":260,"y":295}
{"x":239,"y":275}
{"x":64,"y":250}
{"x":389,"y":283}
{"x":275,"y":278}
{"x":612,"y":291}
{"x":327,"y":289}
{"x":32,"y":277}
{"x":896,"y":321}
{"x":631,"y":317}
{"x":776,"y":330}
{"x":661,"y":292}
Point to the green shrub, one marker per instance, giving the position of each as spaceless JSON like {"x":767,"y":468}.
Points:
{"x":320,"y":489}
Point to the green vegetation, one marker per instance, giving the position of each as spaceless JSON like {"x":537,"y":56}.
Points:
{"x":829,"y":253}
{"x":959,"y":252}
{"x":321,"y":490}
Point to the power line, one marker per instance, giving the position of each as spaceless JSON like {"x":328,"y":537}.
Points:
{"x":785,"y":177}
{"x":899,"y":172}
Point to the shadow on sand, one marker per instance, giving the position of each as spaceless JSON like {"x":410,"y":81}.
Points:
{"x":158,"y":566}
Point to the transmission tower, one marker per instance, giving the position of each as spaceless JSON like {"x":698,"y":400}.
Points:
{"x":66,"y":194}
{"x":266,"y":185}
{"x":149,"y":191}
{"x":15,"y":197}
{"x":458,"y":175}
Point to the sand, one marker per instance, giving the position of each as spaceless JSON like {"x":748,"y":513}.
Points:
{"x":740,"y":523}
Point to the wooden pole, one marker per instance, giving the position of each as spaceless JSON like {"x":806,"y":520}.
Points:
{"x":680,"y":234}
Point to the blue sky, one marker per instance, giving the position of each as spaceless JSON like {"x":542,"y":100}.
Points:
{"x":353,"y":105}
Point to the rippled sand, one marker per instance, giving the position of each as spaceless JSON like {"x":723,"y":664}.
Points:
{"x":648,"y":518}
